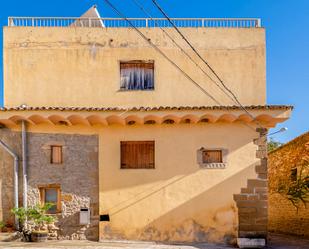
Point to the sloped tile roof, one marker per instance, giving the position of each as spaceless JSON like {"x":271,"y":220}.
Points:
{"x":159,"y":108}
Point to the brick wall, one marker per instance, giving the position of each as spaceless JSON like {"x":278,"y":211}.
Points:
{"x":283,"y":216}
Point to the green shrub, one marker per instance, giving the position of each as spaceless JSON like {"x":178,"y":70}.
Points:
{"x":36,"y":214}
{"x":2,"y":224}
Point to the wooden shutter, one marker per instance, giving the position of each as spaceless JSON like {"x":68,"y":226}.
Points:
{"x":56,"y":154}
{"x":212,"y":156}
{"x":137,"y":155}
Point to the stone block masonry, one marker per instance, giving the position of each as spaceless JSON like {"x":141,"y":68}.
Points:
{"x":283,"y":216}
{"x":13,"y":140}
{"x":252,"y":201}
{"x":77,"y":178}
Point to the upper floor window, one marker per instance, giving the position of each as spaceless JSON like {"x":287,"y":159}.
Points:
{"x":56,"y":154}
{"x":137,"y":75}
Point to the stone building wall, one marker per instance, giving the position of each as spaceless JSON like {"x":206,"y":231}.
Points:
{"x":252,"y":201}
{"x":283,"y":216}
{"x":77,"y":177}
{"x":13,"y":140}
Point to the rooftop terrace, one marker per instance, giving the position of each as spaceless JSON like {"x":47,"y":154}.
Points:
{"x":137,"y":22}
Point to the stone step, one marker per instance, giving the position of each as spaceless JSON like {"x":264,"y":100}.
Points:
{"x":5,"y":237}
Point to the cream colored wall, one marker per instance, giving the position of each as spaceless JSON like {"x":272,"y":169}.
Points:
{"x":176,"y":201}
{"x":80,"y":66}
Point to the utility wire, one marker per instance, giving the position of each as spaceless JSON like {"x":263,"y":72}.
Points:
{"x":161,"y":52}
{"x":165,"y":56}
{"x":171,"y":38}
{"x":206,"y":63}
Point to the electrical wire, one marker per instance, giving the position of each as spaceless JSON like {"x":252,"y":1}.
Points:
{"x":190,"y":57}
{"x":205,"y":62}
{"x":161,"y":52}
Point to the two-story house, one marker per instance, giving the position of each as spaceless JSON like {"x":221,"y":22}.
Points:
{"x":102,"y":121}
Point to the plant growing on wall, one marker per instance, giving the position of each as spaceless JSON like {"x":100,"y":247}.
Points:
{"x":2,"y":225}
{"x":297,"y":190}
{"x":272,"y":144}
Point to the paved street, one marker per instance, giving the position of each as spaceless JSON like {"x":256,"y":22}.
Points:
{"x":276,"y":242}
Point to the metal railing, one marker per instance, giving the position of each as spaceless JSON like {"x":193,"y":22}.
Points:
{"x":138,"y":22}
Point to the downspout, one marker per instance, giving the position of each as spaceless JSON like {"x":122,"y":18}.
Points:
{"x":11,"y":152}
{"x":24,"y":156}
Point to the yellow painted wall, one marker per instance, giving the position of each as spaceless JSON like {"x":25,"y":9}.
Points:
{"x":176,"y":201}
{"x":55,"y":66}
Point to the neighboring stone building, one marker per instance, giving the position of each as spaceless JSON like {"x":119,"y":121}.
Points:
{"x":115,"y":128}
{"x":284,"y":166}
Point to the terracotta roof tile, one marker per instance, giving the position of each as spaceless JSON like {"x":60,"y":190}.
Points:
{"x":159,"y":108}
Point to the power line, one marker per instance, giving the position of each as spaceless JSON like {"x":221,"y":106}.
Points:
{"x":171,"y":38}
{"x":161,"y":52}
{"x":206,"y":63}
{"x":165,"y":56}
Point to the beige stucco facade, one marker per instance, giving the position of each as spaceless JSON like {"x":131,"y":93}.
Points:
{"x":178,"y":200}
{"x":80,"y":66}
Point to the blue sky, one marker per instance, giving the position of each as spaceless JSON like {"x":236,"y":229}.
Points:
{"x":287,"y":33}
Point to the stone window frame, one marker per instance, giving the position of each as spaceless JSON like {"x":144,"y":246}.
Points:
{"x":42,"y":189}
{"x":203,"y":165}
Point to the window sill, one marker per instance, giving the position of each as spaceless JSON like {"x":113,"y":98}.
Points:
{"x":213,"y":165}
{"x":135,"y":90}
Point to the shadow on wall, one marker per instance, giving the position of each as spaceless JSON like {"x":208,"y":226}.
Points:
{"x":208,"y":216}
{"x":13,"y":140}
{"x":76,"y":176}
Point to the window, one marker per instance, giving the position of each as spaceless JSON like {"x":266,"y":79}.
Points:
{"x":56,"y":154}
{"x":212,"y":156}
{"x":137,"y":154}
{"x":51,"y":194}
{"x":137,"y":75}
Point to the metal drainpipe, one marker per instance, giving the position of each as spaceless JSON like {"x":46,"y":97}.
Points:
{"x":24,"y":155}
{"x":11,"y":152}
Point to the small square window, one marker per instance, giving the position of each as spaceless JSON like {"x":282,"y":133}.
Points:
{"x":212,"y":156}
{"x":56,"y":154}
{"x":51,"y":195}
{"x":137,"y":75}
{"x":137,"y":154}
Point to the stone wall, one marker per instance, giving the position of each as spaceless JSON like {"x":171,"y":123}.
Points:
{"x":77,"y":177}
{"x":252,"y":201}
{"x":283,"y":216}
{"x":13,"y":140}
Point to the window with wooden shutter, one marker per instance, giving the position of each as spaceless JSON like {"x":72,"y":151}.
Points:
{"x":137,"y":75}
{"x":56,"y":154}
{"x":137,"y":154}
{"x":212,"y":156}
